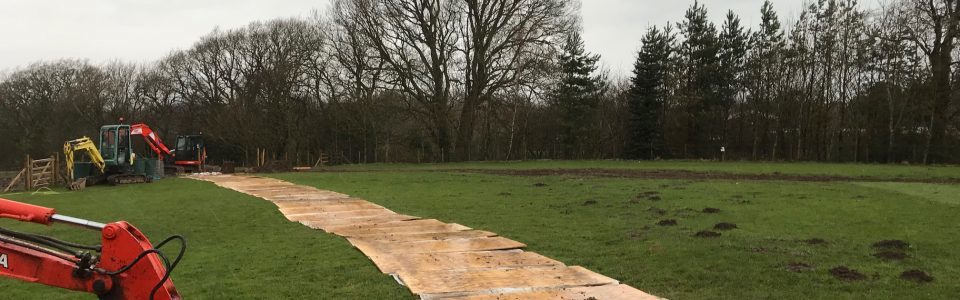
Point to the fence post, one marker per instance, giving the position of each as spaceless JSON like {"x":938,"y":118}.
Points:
{"x":28,"y":166}
{"x":55,"y":179}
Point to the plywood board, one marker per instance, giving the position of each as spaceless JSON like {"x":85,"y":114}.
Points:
{"x":441,"y":282}
{"x":603,"y":292}
{"x":317,"y":202}
{"x":421,"y":262}
{"x":429,"y":236}
{"x":372,"y":248}
{"x":373,"y":229}
{"x":340,"y":214}
{"x":332,"y":223}
{"x":333,"y":207}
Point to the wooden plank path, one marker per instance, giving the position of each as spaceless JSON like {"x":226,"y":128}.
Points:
{"x":434,"y":259}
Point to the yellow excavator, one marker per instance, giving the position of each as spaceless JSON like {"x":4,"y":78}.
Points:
{"x":86,"y":145}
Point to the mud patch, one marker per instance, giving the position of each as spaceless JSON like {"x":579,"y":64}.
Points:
{"x":815,"y":241}
{"x":847,"y":274}
{"x":799,"y":267}
{"x":917,"y":276}
{"x":710,"y":210}
{"x":725,"y":226}
{"x":667,"y":222}
{"x":890,"y":255}
{"x":891,"y":245}
{"x":707,"y":234}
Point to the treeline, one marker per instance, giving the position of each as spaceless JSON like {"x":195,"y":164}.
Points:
{"x":444,"y":80}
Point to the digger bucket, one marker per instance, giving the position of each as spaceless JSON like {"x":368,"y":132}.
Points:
{"x":78,"y":184}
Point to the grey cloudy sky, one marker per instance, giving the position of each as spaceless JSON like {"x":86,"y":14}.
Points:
{"x":146,"y":30}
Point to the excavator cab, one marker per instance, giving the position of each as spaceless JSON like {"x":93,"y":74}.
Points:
{"x":120,"y":160}
{"x":115,"y":147}
{"x":190,"y":153}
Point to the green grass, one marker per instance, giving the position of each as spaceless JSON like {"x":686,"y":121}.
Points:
{"x":242,"y":248}
{"x":831,"y":169}
{"x":239,"y":247}
{"x":621,"y":239}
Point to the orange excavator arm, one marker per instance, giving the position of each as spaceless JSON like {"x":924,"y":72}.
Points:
{"x":124,"y":266}
{"x":151,"y":138}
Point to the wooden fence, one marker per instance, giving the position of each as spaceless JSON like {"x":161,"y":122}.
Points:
{"x":37,"y":173}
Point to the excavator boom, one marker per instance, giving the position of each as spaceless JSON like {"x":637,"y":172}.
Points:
{"x":152,"y":139}
{"x":127,"y":267}
{"x":86,"y":145}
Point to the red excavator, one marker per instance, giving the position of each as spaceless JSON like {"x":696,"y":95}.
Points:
{"x":124,"y":266}
{"x":189,"y":155}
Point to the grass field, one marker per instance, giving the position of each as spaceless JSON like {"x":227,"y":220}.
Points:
{"x":241,"y":247}
{"x":825,"y":169}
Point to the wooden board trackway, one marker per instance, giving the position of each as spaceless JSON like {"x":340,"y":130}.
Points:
{"x":434,"y":259}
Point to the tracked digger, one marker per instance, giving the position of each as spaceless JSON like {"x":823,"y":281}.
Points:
{"x":111,"y":162}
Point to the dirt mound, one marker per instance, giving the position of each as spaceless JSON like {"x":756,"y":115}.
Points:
{"x":815,"y":241}
{"x":890,"y":255}
{"x":667,"y":222}
{"x":707,"y":234}
{"x":725,"y":226}
{"x":847,"y":274}
{"x":799,"y":267}
{"x":710,"y":210}
{"x":917,"y":276}
{"x":891,"y":245}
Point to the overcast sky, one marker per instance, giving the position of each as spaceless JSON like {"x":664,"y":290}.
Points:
{"x":145,"y":30}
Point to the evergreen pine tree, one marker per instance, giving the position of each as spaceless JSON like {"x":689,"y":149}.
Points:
{"x":700,"y":84}
{"x":732,"y":55}
{"x":647,"y":95}
{"x":577,"y":95}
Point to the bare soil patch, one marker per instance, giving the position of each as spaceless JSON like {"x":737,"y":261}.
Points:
{"x":917,"y":276}
{"x":667,"y":222}
{"x":710,"y":210}
{"x":707,"y":234}
{"x":891,"y":245}
{"x":815,"y":241}
{"x":725,"y":226}
{"x":847,"y":274}
{"x":799,"y":267}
